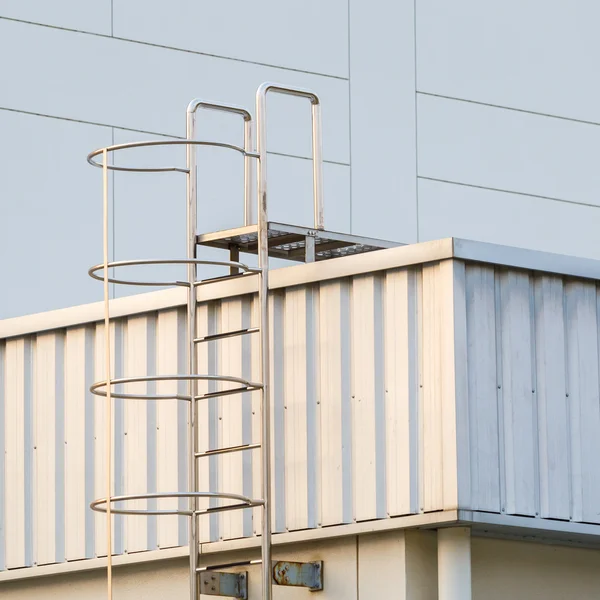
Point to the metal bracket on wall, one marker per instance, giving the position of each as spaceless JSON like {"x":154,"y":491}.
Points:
{"x":309,"y":575}
{"x":217,"y":583}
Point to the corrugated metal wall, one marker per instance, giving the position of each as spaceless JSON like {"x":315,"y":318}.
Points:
{"x":398,"y":392}
{"x":347,"y":411}
{"x":533,"y":394}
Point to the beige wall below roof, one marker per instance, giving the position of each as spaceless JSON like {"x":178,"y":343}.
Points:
{"x":503,"y":569}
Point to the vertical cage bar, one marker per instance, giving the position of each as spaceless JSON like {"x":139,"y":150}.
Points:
{"x":317,"y":150}
{"x":191,"y":335}
{"x":247,"y":172}
{"x":263,"y":301}
{"x":108,"y":378}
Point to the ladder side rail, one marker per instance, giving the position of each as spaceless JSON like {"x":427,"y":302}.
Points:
{"x":194,"y":105}
{"x":317,"y":143}
{"x":192,"y":334}
{"x":263,"y":290}
{"x":192,"y":331}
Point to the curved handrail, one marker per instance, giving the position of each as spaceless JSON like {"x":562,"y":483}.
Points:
{"x":168,"y":261}
{"x":244,"y":502}
{"x":99,"y":387}
{"x":90,"y":158}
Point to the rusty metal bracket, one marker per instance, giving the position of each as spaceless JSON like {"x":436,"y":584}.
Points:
{"x":309,"y":575}
{"x":218,"y":583}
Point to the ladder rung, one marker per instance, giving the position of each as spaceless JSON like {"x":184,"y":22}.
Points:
{"x":216,"y":509}
{"x":239,"y":390}
{"x":226,"y":450}
{"x":240,"y":563}
{"x":226,"y":334}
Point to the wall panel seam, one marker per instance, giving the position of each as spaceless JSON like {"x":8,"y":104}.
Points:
{"x":172,"y":48}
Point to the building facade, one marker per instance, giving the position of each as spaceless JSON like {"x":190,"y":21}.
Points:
{"x":435,"y":406}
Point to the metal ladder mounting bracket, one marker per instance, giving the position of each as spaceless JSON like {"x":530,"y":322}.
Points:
{"x":218,"y":583}
{"x":309,"y":574}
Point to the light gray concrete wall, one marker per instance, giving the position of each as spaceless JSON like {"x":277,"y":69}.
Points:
{"x":440,"y":119}
{"x":508,"y":115}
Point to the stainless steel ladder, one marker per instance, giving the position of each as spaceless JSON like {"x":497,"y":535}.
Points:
{"x":264,"y":239}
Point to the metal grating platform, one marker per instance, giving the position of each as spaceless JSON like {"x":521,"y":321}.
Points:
{"x":290,"y":242}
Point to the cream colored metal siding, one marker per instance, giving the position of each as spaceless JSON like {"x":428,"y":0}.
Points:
{"x":403,"y":391}
{"x":348,"y":356}
{"x":533,"y":408}
{"x":167,"y":446}
{"x":16,"y":372}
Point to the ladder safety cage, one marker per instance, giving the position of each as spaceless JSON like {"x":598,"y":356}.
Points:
{"x":215,"y":583}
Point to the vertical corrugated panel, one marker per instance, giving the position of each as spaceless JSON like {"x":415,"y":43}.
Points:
{"x":401,"y":389}
{"x":251,"y":457}
{"x":431,"y":412}
{"x":368,"y":398}
{"x":583,"y":308}
{"x":231,"y":465}
{"x":456,"y":481}
{"x":444,"y":385}
{"x":151,"y":432}
{"x":207,"y":419}
{"x":278,"y":446}
{"x":14,"y":457}
{"x":313,"y":407}
{"x":380,"y":403}
{"x":214,"y":419}
{"x":118,"y":431}
{"x":100,"y":437}
{"x":136,"y":429}
{"x":482,"y":388}
{"x":2,"y":459}
{"x":45,"y":449}
{"x":255,"y":433}
{"x":59,"y":441}
{"x":75,"y":463}
{"x":519,"y":416}
{"x":553,"y":413}
{"x":295,"y":361}
{"x":99,"y":441}
{"x":29,"y":370}
{"x":99,"y":404}
{"x":183,"y":413}
{"x":90,"y":458}
{"x":336,"y":418}
{"x":167,"y":443}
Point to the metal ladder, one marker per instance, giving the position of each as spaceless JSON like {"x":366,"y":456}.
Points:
{"x":210,"y":580}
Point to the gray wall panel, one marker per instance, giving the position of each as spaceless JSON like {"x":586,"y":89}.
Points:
{"x":527,"y":54}
{"x":50,"y":213}
{"x":94,"y":17}
{"x":309,"y":36}
{"x":382,"y":119}
{"x":148,"y":88}
{"x":511,"y":219}
{"x":508,"y":150}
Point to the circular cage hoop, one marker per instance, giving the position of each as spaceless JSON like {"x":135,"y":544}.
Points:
{"x":93,"y":271}
{"x":117,"y":147}
{"x":99,"y":388}
{"x":99,"y":505}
